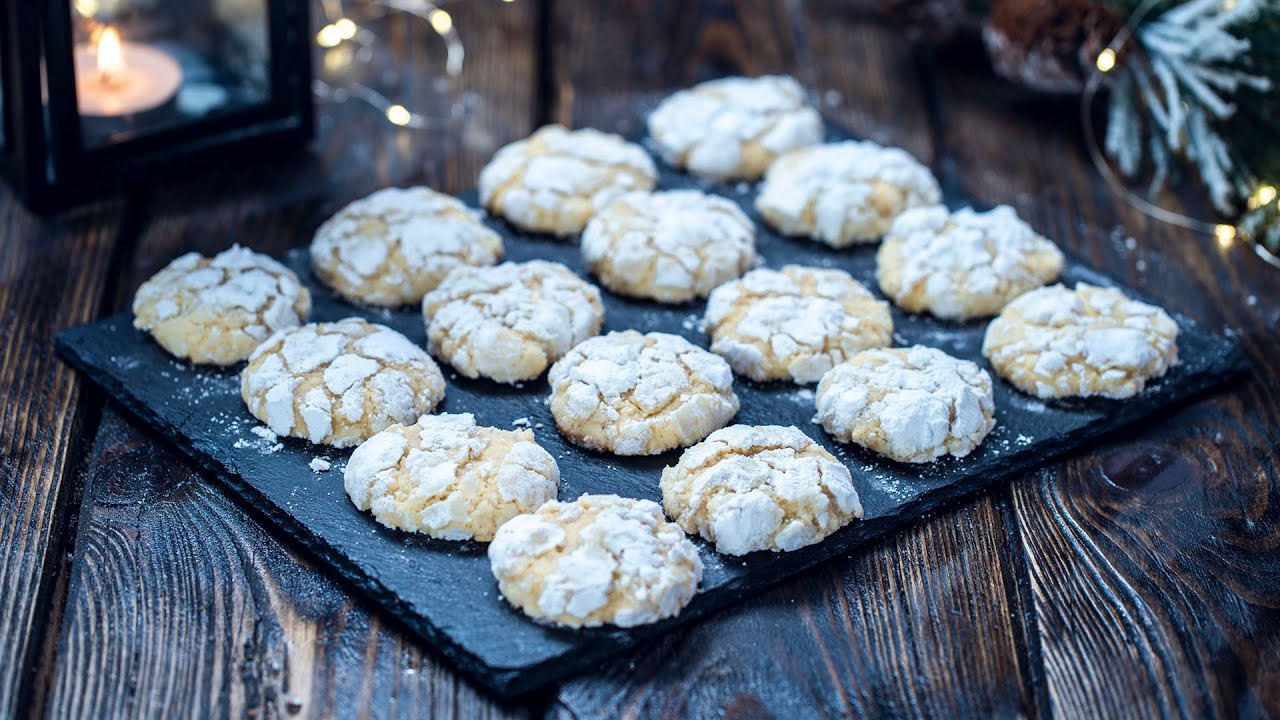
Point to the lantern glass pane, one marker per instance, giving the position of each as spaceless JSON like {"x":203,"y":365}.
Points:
{"x":146,"y":66}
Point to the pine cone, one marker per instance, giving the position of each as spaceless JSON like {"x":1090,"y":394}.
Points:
{"x":1048,"y":45}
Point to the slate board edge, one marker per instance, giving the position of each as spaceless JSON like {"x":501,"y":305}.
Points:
{"x":516,"y":681}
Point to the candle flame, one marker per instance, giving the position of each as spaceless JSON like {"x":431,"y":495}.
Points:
{"x":110,"y":57}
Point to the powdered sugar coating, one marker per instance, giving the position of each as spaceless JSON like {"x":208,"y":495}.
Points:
{"x":393,"y":246}
{"x":843,"y":193}
{"x":217,"y":310}
{"x":599,"y":559}
{"x":759,"y":488}
{"x":795,"y":323}
{"x":733,"y":128}
{"x":1056,"y":342}
{"x":909,"y":404}
{"x":668,"y":246}
{"x":447,"y":477}
{"x":634,"y":394}
{"x":555,"y":180}
{"x":964,"y":264}
{"x":339,"y":383}
{"x":508,"y":323}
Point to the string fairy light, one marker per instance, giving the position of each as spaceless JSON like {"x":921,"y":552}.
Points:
{"x":340,"y":31}
{"x":1106,"y":60}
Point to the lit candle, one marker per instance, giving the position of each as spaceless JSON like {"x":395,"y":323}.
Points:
{"x":122,"y":78}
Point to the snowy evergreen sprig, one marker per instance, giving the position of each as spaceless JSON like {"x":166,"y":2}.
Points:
{"x":1190,"y":63}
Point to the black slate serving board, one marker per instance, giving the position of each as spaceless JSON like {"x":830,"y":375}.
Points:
{"x":444,"y":591}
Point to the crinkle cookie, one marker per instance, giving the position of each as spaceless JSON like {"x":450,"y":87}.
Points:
{"x":556,"y":179}
{"x":447,"y":477}
{"x":733,"y":128}
{"x":633,"y":394}
{"x":964,"y":264}
{"x":1055,"y":342}
{"x":217,"y":310}
{"x":599,"y":559}
{"x":339,"y":383}
{"x":668,"y":246}
{"x":909,"y":404}
{"x":795,"y":323}
{"x":759,"y":488}
{"x":843,"y":193}
{"x":508,"y":323}
{"x":393,"y":246}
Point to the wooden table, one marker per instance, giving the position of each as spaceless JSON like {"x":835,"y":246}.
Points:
{"x":1141,"y":579}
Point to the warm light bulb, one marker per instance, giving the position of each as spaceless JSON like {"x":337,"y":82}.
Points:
{"x":110,"y":57}
{"x":399,"y":115}
{"x":1106,"y":59}
{"x":1265,"y":194}
{"x":329,"y":36}
{"x":440,"y":21}
{"x":1225,"y":234}
{"x":345,"y":27}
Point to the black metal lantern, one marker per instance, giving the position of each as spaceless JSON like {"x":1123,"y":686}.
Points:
{"x":95,"y":94}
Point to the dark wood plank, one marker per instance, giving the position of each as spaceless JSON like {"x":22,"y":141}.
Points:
{"x":180,"y":603}
{"x":929,"y":623}
{"x":52,"y":274}
{"x":1152,"y":560}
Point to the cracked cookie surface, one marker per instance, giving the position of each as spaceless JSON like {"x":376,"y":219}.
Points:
{"x":795,"y":323}
{"x":640,"y":394}
{"x":1091,"y":341}
{"x":911,"y":404}
{"x":733,"y":128}
{"x":446,"y":477}
{"x":600,"y":559}
{"x":843,"y":193}
{"x":768,"y":487}
{"x":215,"y":311}
{"x":668,"y":246}
{"x":393,"y":246}
{"x":339,"y":383}
{"x":964,"y":264}
{"x":509,"y":322}
{"x":555,"y":180}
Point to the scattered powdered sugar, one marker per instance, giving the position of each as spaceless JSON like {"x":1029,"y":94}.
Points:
{"x":265,"y":433}
{"x":319,"y":465}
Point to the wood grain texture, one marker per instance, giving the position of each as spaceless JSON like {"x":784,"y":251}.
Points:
{"x":52,"y":274}
{"x":928,"y":624}
{"x":180,"y":604}
{"x":1152,"y":560}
